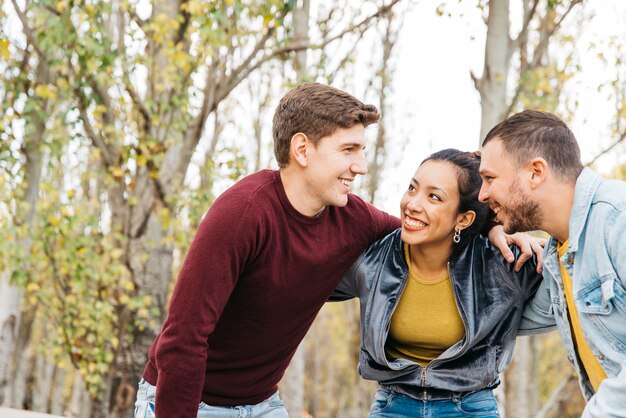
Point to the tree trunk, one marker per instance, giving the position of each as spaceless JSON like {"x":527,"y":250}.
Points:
{"x":292,"y":383}
{"x":154,"y":278}
{"x":377,"y":161}
{"x":11,"y":296}
{"x":80,"y":403}
{"x":56,"y":398}
{"x":301,"y":15}
{"x":20,"y":368}
{"x":521,"y":395}
{"x":43,"y":375}
{"x":492,"y":84}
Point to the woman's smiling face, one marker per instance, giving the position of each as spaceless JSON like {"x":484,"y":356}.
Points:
{"x":430,"y":207}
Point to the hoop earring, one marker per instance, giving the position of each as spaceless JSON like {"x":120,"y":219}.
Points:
{"x":457,"y":236}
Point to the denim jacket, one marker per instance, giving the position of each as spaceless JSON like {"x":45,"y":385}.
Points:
{"x":596,"y":261}
{"x":490,"y":297}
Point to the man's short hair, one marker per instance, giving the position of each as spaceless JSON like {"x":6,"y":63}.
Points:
{"x":316,"y":110}
{"x":532,"y":133}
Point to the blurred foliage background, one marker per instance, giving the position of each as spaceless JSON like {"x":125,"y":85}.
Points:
{"x":120,"y":121}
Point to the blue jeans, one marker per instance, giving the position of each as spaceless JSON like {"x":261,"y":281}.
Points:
{"x":272,"y":407}
{"x":394,"y":405}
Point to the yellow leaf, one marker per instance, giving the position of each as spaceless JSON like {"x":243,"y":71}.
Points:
{"x":32,"y":287}
{"x":115,"y":342}
{"x":117,"y":172}
{"x":116,"y":253}
{"x":61,"y":6}
{"x":45,"y":91}
{"x":128,"y":285}
{"x":53,"y":220}
{"x":147,"y":300}
{"x":92,"y":66}
{"x":124,"y":299}
{"x":141,"y":160}
{"x":99,"y":110}
{"x":143,"y":313}
{"x":71,"y":193}
{"x":4,"y":49}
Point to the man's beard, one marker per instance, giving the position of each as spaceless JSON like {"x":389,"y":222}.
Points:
{"x":524,"y":214}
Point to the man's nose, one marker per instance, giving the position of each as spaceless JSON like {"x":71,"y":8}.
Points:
{"x":359,"y":166}
{"x":483,"y":194}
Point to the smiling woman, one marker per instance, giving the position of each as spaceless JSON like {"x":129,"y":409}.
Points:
{"x":440,"y":307}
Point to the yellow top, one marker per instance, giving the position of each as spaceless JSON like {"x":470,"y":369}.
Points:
{"x":589,"y":362}
{"x":426,"y":321}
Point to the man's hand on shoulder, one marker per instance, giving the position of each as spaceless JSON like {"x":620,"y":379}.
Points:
{"x":526,"y":243}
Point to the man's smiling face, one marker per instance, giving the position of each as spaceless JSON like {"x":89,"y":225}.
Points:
{"x":506,"y":191}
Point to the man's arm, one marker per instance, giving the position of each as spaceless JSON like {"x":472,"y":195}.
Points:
{"x":536,"y":317}
{"x":223,"y":244}
{"x":610,"y":400}
{"x":528,"y":245}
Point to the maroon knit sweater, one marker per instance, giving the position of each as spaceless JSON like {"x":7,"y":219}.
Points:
{"x":253,"y":280}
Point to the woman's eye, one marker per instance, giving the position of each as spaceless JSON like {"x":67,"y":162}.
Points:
{"x":434,"y":197}
{"x":411,"y":188}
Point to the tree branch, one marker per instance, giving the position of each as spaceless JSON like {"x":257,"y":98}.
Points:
{"x":619,"y":140}
{"x":298,"y":46}
{"x":180,"y":35}
{"x":521,"y":42}
{"x":28,"y":30}
{"x":141,"y":23}
{"x":542,"y":46}
{"x":96,"y":139}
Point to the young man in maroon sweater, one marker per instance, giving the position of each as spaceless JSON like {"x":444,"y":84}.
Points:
{"x":265,"y":258}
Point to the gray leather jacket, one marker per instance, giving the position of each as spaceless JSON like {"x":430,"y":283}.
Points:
{"x":490,"y":297}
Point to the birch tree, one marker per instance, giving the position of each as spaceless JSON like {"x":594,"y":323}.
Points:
{"x":135,"y":87}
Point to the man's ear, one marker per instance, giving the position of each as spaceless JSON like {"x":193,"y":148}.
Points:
{"x":465,"y":220}
{"x":538,"y":168}
{"x":297,"y":150}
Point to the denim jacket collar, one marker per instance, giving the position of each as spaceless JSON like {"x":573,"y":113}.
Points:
{"x":586,"y":185}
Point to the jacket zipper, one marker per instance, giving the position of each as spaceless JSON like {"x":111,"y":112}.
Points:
{"x":393,"y":309}
{"x":461,"y":350}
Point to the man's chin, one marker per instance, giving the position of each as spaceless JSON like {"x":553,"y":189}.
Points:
{"x":340,"y":202}
{"x":512,"y":228}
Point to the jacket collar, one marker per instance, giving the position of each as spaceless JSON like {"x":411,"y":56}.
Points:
{"x":586,"y":185}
